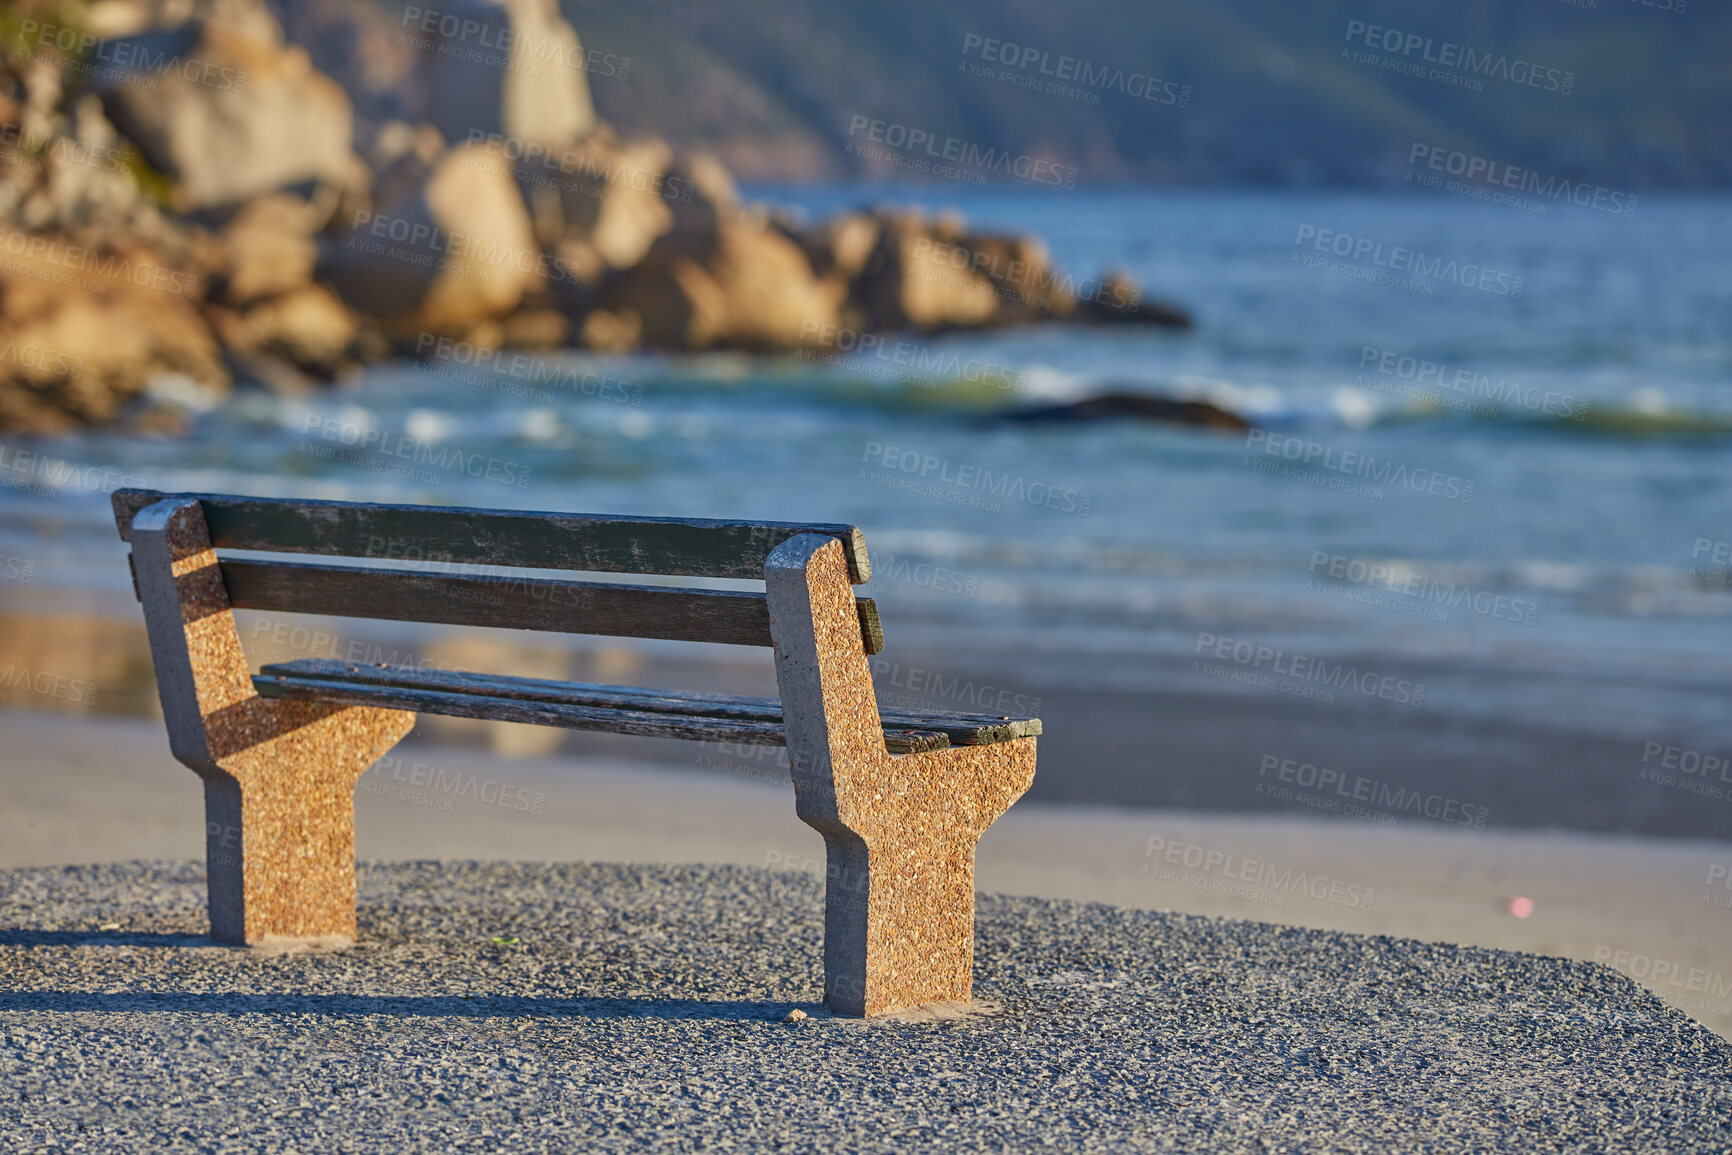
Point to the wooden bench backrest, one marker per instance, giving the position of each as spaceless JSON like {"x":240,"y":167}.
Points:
{"x":686,"y":547}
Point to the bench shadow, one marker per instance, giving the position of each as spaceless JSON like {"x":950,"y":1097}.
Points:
{"x":12,"y":936}
{"x":400,"y":1006}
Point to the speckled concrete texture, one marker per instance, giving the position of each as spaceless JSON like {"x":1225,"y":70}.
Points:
{"x":279,"y":776}
{"x":524,"y":1007}
{"x":899,"y":831}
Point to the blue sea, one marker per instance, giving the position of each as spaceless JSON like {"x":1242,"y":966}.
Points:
{"x":1491,"y":441}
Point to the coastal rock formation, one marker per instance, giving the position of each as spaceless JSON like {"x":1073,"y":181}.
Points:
{"x":189,"y":187}
{"x":309,"y":328}
{"x":600,"y":204}
{"x":1120,"y":404}
{"x":84,"y":333}
{"x":454,"y":250}
{"x":1117,"y":298}
{"x":746,"y":285}
{"x":509,"y":68}
{"x":910,"y":281}
{"x":226,"y":110}
{"x":268,"y":248}
{"x":840,"y":246}
{"x":1021,"y":273}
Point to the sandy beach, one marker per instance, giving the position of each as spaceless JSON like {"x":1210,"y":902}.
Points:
{"x":85,"y":789}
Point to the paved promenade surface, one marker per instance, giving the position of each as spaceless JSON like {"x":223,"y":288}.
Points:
{"x":82,"y":789}
{"x":524,"y":1007}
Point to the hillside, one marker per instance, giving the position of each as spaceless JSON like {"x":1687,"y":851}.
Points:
{"x":1275,"y":95}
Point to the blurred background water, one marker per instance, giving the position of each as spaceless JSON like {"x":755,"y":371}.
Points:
{"x":1597,"y":522}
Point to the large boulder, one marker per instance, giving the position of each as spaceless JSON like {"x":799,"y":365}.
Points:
{"x":508,"y":68}
{"x":82,"y":333}
{"x":308,"y":327}
{"x":1117,"y":299}
{"x":401,"y":157}
{"x":263,"y":302}
{"x":226,"y":110}
{"x":268,"y":248}
{"x":456,"y":250}
{"x":1021,"y":273}
{"x":840,"y":246}
{"x":367,"y":48}
{"x":604,"y":203}
{"x":746,"y":286}
{"x":699,"y":191}
{"x":918,"y":276}
{"x":599,"y":205}
{"x":65,"y":172}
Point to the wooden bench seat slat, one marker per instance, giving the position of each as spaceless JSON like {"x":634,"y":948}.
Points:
{"x":960,"y":729}
{"x":601,"y":543}
{"x":612,"y":719}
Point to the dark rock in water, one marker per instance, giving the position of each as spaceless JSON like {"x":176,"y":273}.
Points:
{"x":1118,"y":300}
{"x":1141,"y":406}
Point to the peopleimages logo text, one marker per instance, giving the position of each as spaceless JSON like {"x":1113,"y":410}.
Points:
{"x":1469,"y":384}
{"x":953,"y":150}
{"x":1257,"y":872}
{"x":1305,"y":668}
{"x":1403,"y":581}
{"x":1498,"y":174}
{"x":1362,"y":789}
{"x":1352,"y":463}
{"x":932,"y":470}
{"x":1028,"y":58}
{"x":1411,"y":262}
{"x":1447,"y":54}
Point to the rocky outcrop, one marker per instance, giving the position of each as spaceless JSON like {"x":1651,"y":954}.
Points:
{"x":84,"y":333}
{"x":263,"y":302}
{"x":268,"y":248}
{"x":226,"y":110}
{"x":308,"y":328}
{"x":934,"y":274}
{"x":919,"y":276}
{"x":188,"y":202}
{"x":600,"y":204}
{"x":745,"y":285}
{"x":65,"y":172}
{"x":840,"y":246}
{"x":512,"y":69}
{"x":1117,"y":299}
{"x":1120,"y":405}
{"x":453,"y":251}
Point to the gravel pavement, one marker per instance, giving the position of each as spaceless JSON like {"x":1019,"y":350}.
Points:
{"x":529,"y":1007}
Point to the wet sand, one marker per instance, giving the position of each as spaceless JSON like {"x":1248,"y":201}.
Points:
{"x":1126,"y":730}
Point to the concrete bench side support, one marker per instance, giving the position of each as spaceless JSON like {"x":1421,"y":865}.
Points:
{"x":279,"y":777}
{"x":900,"y":830}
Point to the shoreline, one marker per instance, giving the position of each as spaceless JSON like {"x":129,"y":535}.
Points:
{"x":1128,"y":730}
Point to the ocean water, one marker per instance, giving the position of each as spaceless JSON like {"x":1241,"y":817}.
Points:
{"x":1490,"y":440}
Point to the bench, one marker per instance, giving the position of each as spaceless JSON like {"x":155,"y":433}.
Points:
{"x":901,"y":797}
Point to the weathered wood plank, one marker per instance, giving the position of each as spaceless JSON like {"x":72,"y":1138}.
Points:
{"x":610,"y":719}
{"x":871,"y":628}
{"x":735,"y":617}
{"x":959,"y":728}
{"x":602,"y":543}
{"x":610,"y":608}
